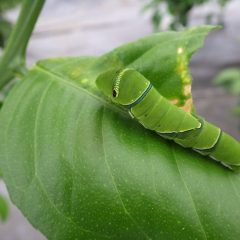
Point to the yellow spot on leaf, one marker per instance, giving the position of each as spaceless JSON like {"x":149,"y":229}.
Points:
{"x":84,"y":80}
{"x":187,"y":107}
{"x":181,"y":67}
{"x":180,"y":50}
{"x":187,"y":90}
{"x":76,"y":73}
{"x":174,"y":101}
{"x":183,"y":71}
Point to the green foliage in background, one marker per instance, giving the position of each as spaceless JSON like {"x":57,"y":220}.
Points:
{"x":3,"y":209}
{"x":3,"y":205}
{"x":7,"y":64}
{"x":5,"y":30}
{"x":79,"y":168}
{"x":5,"y":26}
{"x":179,"y":10}
{"x":8,"y":4}
{"x":230,"y":79}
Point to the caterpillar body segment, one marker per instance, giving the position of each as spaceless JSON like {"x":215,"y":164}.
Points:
{"x":170,"y":119}
{"x":132,"y":90}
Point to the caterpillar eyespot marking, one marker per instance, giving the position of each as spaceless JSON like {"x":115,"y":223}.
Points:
{"x":114,"y":93}
{"x":130,"y":89}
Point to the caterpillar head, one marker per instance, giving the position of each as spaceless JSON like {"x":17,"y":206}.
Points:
{"x":123,"y":86}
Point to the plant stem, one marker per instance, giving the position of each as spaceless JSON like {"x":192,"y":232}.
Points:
{"x":13,"y":59}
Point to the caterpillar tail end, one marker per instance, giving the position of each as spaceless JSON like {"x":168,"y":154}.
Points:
{"x":227,"y":151}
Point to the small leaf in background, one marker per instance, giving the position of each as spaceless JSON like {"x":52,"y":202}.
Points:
{"x":156,"y":20}
{"x":5,"y":29}
{"x":5,"y":26}
{"x":3,"y":209}
{"x":237,"y":110}
{"x":8,"y":4}
{"x":230,"y":79}
{"x":179,"y":11}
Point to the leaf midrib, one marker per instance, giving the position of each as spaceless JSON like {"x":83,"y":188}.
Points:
{"x":79,"y":88}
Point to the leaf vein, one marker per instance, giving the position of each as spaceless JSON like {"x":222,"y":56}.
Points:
{"x":41,"y":102}
{"x":114,"y":181}
{"x":188,"y":190}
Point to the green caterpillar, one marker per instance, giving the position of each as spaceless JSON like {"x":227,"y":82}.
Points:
{"x":132,"y":90}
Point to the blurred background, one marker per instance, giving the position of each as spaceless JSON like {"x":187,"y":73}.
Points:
{"x":93,"y":27}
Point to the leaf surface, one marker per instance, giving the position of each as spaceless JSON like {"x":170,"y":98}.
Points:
{"x":79,"y":168}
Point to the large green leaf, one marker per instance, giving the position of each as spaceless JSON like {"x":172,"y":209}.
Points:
{"x":155,"y":56}
{"x":80,"y":168}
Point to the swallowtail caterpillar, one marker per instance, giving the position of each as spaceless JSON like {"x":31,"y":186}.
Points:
{"x":132,"y":90}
